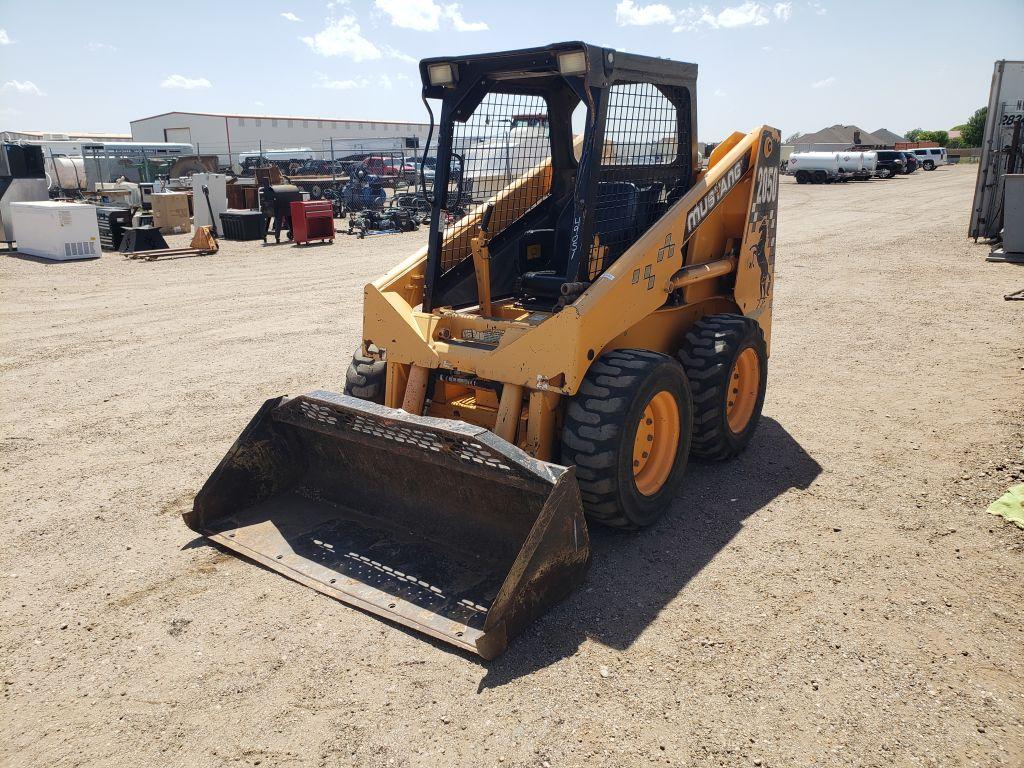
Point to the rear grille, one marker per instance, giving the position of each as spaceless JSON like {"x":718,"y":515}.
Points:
{"x":83,"y":248}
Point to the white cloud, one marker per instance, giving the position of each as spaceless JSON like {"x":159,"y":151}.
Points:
{"x":342,"y":37}
{"x":394,"y":53}
{"x":289,"y":16}
{"x":629,"y":14}
{"x":97,"y":47}
{"x":341,"y":85}
{"x":454,"y":13}
{"x":719,"y":92}
{"x":324,"y":81}
{"x":748,"y":14}
{"x":5,"y":39}
{"x":258,"y":103}
{"x":426,"y":15}
{"x":421,"y":15}
{"x":185,"y":83}
{"x":9,"y":111}
{"x":767,"y":48}
{"x":743,"y":15}
{"x":818,"y":8}
{"x":828,"y":82}
{"x":21,"y":86}
{"x":783,"y":11}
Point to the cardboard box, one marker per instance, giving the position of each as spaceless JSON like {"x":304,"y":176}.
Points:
{"x":170,"y":212}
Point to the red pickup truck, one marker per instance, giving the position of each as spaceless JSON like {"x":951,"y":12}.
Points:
{"x":383,"y":166}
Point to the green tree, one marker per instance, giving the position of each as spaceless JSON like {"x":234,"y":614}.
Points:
{"x":914,"y":134}
{"x":973,"y":131}
{"x":939,"y":137}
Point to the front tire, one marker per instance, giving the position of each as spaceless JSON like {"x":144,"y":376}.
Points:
{"x":726,"y":360}
{"x":929,"y":165}
{"x":365,"y":378}
{"x":627,"y":431}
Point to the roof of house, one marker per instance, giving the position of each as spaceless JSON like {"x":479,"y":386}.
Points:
{"x":282,"y":117}
{"x":839,"y":134}
{"x":888,"y":136}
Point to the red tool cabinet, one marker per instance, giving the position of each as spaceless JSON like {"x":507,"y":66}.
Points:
{"x":312,"y":220}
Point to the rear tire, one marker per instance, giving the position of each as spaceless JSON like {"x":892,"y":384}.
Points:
{"x":820,"y":177}
{"x":627,"y":431}
{"x":365,"y":378}
{"x":726,"y":360}
{"x":802,"y":177}
{"x":929,"y":165}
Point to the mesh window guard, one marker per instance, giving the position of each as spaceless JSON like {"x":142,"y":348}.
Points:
{"x":494,"y":152}
{"x":640,"y":144}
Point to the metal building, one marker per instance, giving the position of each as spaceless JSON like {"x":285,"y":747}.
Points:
{"x":227,"y":135}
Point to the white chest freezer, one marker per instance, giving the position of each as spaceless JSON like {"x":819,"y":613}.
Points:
{"x":58,"y":231}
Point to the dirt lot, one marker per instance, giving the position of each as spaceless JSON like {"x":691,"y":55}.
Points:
{"x":837,"y":596}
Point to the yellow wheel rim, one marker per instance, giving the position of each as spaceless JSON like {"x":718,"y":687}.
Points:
{"x":656,"y":443}
{"x":744,"y":383}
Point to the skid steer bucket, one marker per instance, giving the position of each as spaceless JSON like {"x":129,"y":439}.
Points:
{"x":435,"y":524}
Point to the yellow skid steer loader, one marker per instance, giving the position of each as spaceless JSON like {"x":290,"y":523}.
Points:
{"x":591,"y":308}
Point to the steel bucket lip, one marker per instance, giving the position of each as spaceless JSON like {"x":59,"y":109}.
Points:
{"x":546,"y":471}
{"x":509,"y":609}
{"x":377,"y":602}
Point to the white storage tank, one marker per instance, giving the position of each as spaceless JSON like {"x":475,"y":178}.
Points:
{"x":65,"y":172}
{"x":57,"y":231}
{"x":831,"y":166}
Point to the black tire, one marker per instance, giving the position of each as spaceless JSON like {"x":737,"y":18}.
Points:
{"x":802,"y":177}
{"x":929,"y":165}
{"x":886,"y":173}
{"x":711,"y":349}
{"x":820,"y":177}
{"x":365,"y":378}
{"x":600,"y":428}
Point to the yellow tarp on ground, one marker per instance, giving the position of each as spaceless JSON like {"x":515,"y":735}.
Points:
{"x":1010,"y":506}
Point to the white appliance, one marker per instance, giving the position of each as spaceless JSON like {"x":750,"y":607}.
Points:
{"x":218,"y":185}
{"x":22,"y":179}
{"x":58,"y":231}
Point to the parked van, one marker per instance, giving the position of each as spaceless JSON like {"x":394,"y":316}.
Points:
{"x":930,"y":158}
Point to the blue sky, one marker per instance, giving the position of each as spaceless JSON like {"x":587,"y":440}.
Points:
{"x":799,"y":65}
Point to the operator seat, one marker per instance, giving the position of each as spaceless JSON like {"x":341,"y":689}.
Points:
{"x":615,"y":223}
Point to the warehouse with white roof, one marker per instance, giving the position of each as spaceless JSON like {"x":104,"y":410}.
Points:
{"x":228,"y":135}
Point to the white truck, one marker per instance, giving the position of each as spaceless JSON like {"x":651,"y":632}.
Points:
{"x":825,"y":167}
{"x":929,"y":158}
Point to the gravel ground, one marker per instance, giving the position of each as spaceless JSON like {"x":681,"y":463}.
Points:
{"x":836,"y":596}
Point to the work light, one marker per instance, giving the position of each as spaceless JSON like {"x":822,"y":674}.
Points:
{"x":572,"y":63}
{"x":442,"y":74}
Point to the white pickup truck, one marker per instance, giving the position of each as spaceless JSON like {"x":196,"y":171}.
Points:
{"x":929,"y":158}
